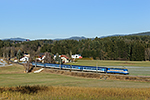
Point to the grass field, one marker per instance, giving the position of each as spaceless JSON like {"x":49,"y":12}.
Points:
{"x":47,"y":79}
{"x":112,"y":63}
{"x":14,"y":76}
{"x":67,"y":87}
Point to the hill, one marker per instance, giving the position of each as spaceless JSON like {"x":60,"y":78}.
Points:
{"x":17,"y":39}
{"x":82,"y":37}
{"x":142,"y":34}
{"x":73,"y":38}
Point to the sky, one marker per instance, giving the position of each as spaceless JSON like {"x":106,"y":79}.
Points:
{"x":51,"y":19}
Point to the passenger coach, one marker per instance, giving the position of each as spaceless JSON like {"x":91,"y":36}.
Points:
{"x":84,"y":68}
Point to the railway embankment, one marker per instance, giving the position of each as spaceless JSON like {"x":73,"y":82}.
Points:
{"x":101,"y":76}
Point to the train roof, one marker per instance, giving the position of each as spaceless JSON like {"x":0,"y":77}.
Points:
{"x":89,"y":66}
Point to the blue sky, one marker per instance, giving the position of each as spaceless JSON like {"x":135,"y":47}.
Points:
{"x":50,"y":19}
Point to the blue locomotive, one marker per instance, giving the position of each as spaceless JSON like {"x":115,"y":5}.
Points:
{"x":84,"y":68}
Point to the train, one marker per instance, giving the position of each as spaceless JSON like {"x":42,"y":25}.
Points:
{"x":84,"y":68}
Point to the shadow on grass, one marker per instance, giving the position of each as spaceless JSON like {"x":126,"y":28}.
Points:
{"x":25,"y":89}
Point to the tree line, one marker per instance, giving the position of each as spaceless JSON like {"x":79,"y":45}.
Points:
{"x":132,"y":48}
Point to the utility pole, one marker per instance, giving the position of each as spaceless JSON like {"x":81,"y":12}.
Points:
{"x":60,"y":62}
{"x":35,"y":62}
{"x":70,"y":68}
{"x":3,"y":55}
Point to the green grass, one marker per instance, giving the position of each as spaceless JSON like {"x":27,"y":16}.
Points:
{"x":15,"y":68}
{"x":111,"y":63}
{"x":68,"y":87}
{"x":61,"y":80}
{"x":14,"y":76}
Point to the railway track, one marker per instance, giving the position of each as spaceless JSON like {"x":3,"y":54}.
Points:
{"x":96,"y":75}
{"x":102,"y":76}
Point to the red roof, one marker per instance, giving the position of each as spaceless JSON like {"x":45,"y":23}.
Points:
{"x":64,"y":56}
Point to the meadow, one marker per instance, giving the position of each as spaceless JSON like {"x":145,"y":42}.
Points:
{"x":112,"y":63}
{"x":17,"y":85}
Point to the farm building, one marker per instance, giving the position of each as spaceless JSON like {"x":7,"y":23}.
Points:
{"x":64,"y":58}
{"x":24,"y":58}
{"x":76,"y":56}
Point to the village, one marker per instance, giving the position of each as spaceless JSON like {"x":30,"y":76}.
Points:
{"x":42,"y":56}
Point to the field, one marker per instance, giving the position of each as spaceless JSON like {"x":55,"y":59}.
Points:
{"x":15,"y":84}
{"x":112,"y":63}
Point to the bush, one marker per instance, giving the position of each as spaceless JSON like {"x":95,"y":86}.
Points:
{"x":91,"y":58}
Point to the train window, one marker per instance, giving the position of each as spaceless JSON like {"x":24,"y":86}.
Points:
{"x":125,"y":70}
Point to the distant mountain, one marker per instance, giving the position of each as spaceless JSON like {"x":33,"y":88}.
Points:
{"x":80,"y":38}
{"x":141,"y":34}
{"x":73,"y":38}
{"x":112,"y":35}
{"x":138,"y":34}
{"x":17,"y":39}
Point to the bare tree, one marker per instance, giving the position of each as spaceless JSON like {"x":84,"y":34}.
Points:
{"x":4,"y":52}
{"x":8,"y":54}
{"x":12,"y":52}
{"x":28,"y":65}
{"x":47,"y":58}
{"x":70,"y":54}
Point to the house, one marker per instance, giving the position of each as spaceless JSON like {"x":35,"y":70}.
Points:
{"x":41,"y":56}
{"x":26,"y":55}
{"x":55,"y":56}
{"x":76,"y":56}
{"x":64,"y":58}
{"x":24,"y":59}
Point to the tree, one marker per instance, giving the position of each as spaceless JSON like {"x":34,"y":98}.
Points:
{"x":12,"y":52}
{"x":19,"y":54}
{"x":4,"y":52}
{"x":147,"y":54}
{"x":48,"y":58}
{"x":58,"y":59}
{"x":138,"y":52}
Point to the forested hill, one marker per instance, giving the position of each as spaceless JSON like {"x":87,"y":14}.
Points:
{"x":134,"y":48}
{"x":73,"y":38}
{"x":16,"y":39}
{"x":79,"y":38}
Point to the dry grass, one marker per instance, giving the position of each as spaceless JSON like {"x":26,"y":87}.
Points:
{"x":15,"y":68}
{"x":73,"y":93}
{"x":99,"y":75}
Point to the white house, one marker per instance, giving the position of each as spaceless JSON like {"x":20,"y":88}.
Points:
{"x":64,"y":58}
{"x":76,"y":56}
{"x":55,"y":56}
{"x":24,"y":59}
{"x":40,"y":58}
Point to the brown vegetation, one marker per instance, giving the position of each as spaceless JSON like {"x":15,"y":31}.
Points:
{"x":73,"y":93}
{"x":99,"y":75}
{"x":128,"y":63}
